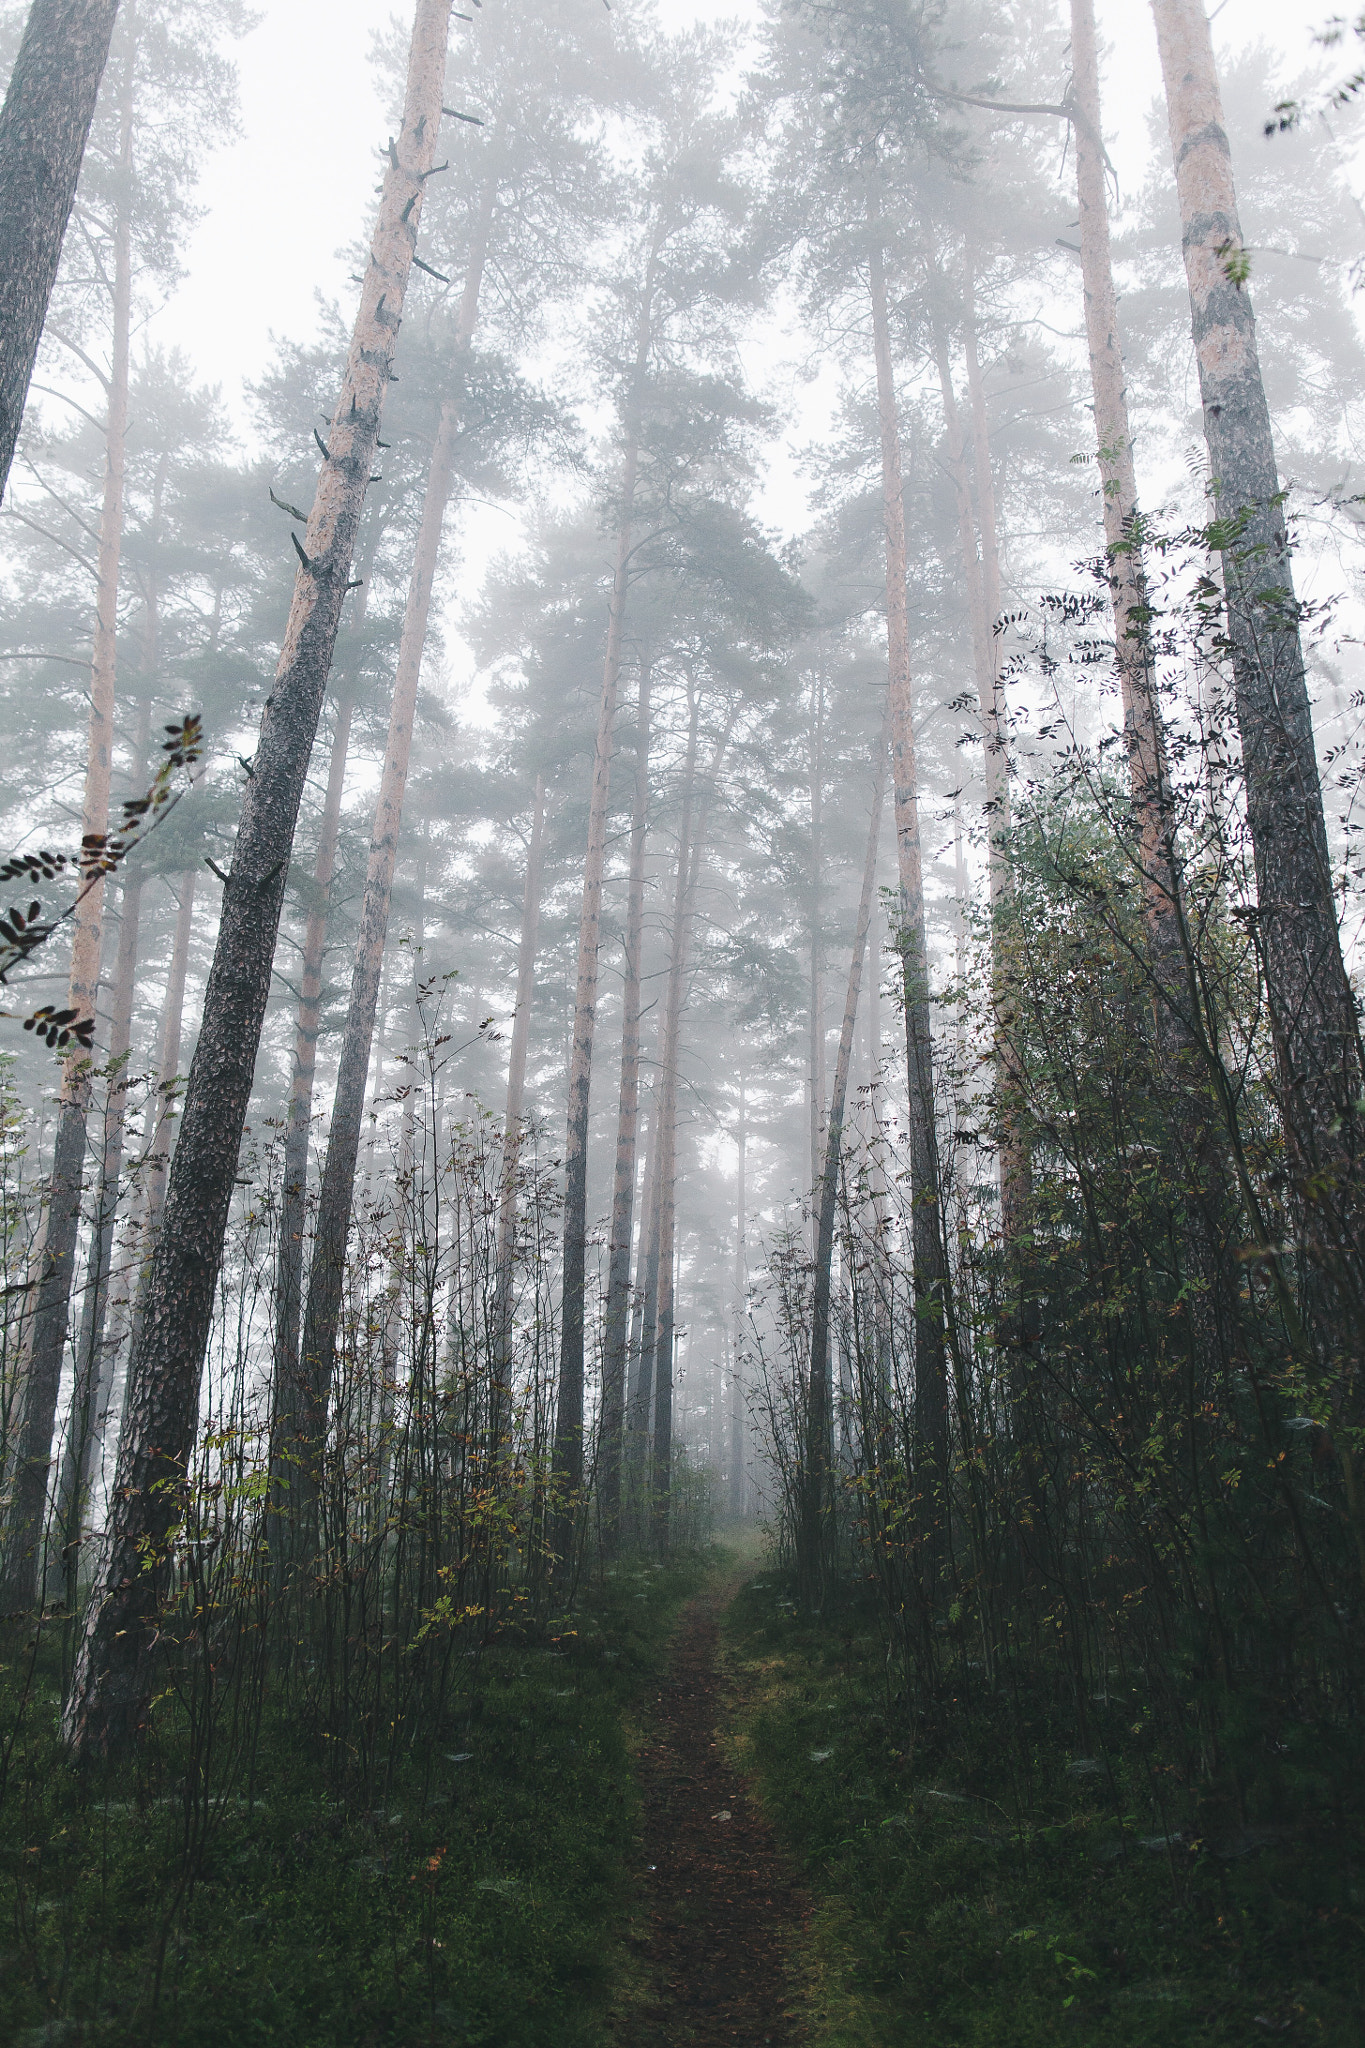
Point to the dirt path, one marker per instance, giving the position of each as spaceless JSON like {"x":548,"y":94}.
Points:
{"x":722,"y":1904}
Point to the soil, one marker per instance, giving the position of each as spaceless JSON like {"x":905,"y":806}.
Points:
{"x":722,"y":1905}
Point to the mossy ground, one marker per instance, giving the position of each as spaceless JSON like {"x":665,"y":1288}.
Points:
{"x":951,"y":1909}
{"x":484,"y":1902}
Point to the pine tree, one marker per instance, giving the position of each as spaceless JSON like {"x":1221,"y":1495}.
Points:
{"x":1312,"y":1007}
{"x":44,"y":128}
{"x":111,"y":1676}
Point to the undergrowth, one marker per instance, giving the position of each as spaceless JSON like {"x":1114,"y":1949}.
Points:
{"x":484,"y":1903}
{"x":972,"y":1888}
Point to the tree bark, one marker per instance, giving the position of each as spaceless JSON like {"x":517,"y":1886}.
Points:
{"x":930,"y":1264}
{"x":691,"y":841}
{"x":815,"y":1501}
{"x":1312,"y":1008}
{"x":110,"y":1682}
{"x":741,"y":1296}
{"x":302,"y":1402}
{"x":94,"y":1359}
{"x":44,"y":127}
{"x":645,"y":1322}
{"x":513,"y":1128}
{"x":627,"y":1146}
{"x":168,"y":1060}
{"x":568,"y":1445}
{"x":662,"y":1465}
{"x":42,"y":1367}
{"x":817,"y":964}
{"x":983,"y":581}
{"x":299,"y":1116}
{"x":1147,"y":765}
{"x":294,"y":1200}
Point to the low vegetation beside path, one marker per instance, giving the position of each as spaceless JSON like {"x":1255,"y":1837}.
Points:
{"x":972,"y":1888}
{"x":466,"y":1887}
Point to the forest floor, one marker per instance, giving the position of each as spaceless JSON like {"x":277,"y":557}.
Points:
{"x":723,"y":1911}
{"x":981,"y":1886}
{"x":687,"y":1819}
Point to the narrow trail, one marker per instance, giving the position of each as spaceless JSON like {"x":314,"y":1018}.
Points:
{"x":722,"y":1903}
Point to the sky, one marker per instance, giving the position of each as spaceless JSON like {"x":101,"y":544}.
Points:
{"x":283,"y":201}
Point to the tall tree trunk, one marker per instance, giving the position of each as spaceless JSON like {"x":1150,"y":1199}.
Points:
{"x":299,"y":1116}
{"x":627,"y":1146}
{"x":1310,"y":1000}
{"x":90,"y":1385}
{"x":90,"y":1375}
{"x":962,"y":891}
{"x":42,"y":1367}
{"x":741,"y":1296}
{"x":1146,"y":746}
{"x":302,"y":1402}
{"x":95,"y":1357}
{"x":161,"y":1136}
{"x":817,"y":964}
{"x":983,"y":581}
{"x":112,"y":1674}
{"x":645,"y":1327}
{"x":688,"y":846}
{"x":168,"y":1060}
{"x":298,"y":1131}
{"x":514,"y":1125}
{"x":927,"y":1249}
{"x":815,"y":1500}
{"x":568,"y":1446}
{"x":692,"y":840}
{"x":44,"y":127}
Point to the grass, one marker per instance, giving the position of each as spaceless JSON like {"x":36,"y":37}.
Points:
{"x":994,"y":1896}
{"x":484,"y":1902}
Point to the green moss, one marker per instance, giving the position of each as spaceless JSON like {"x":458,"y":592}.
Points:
{"x":964,"y":1896}
{"x":478,"y":1902}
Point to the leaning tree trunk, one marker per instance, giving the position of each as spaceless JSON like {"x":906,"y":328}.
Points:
{"x":815,"y":1484}
{"x":302,"y":1401}
{"x":617,"y":1317}
{"x":930,"y":1275}
{"x":1311,"y":1006}
{"x":514,"y":1124}
{"x":112,"y":1676}
{"x":42,"y":1365}
{"x":294,"y":1200}
{"x":568,"y":1446}
{"x":299,"y":1115}
{"x":44,"y":127}
{"x":289,"y":1374}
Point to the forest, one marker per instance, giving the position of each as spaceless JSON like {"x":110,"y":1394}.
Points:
{"x":682,"y":1099}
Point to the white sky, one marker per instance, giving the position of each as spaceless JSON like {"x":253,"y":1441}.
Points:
{"x":286,"y":198}
{"x":283,"y":200}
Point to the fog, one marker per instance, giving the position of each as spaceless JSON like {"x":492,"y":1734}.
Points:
{"x":683,"y":700}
